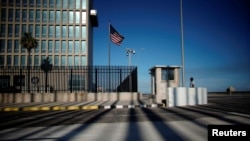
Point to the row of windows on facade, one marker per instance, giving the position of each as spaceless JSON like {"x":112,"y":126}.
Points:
{"x":44,"y":16}
{"x":45,"y":3}
{"x":56,"y":60}
{"x":44,"y":31}
{"x":77,"y":47}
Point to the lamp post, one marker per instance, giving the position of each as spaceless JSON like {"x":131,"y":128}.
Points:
{"x":129,"y":52}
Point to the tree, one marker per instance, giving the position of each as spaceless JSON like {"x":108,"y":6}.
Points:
{"x":28,"y":42}
{"x":46,"y":66}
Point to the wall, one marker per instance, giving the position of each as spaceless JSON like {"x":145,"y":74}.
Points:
{"x":67,"y":97}
{"x":182,"y":96}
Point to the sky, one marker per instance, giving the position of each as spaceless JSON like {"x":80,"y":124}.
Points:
{"x":216,"y":39}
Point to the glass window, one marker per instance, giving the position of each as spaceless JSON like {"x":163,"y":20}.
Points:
{"x":43,"y":57}
{"x":65,"y":3}
{"x":83,"y":47}
{"x":71,"y":17}
{"x":31,"y":29}
{"x":16,"y":46}
{"x":58,"y":32}
{"x":84,"y":32}
{"x":84,"y":17}
{"x":45,"y":3}
{"x":43,"y":46}
{"x":16,"y":60}
{"x":11,"y":3}
{"x":63,"y":60}
{"x":64,"y":17}
{"x":58,"y":3}
{"x":9,"y":46}
{"x":78,"y":4}
{"x":64,"y":32}
{"x":50,"y":46}
{"x":58,"y":16}
{"x":3,"y":15}
{"x":70,"y":60}
{"x":2,"y":47}
{"x":31,"y":3}
{"x":45,"y":16}
{"x":51,"y":31}
{"x":57,"y":47}
{"x":70,"y":46}
{"x":24,"y":15}
{"x":76,"y":61}
{"x":18,"y":2}
{"x":23,"y":60}
{"x":37,"y":32}
{"x":56,"y":60}
{"x":8,"y":60}
{"x":11,"y":15}
{"x":24,"y":28}
{"x":38,"y":3}
{"x":17,"y":17}
{"x":10,"y":30}
{"x":25,"y":2}
{"x":51,"y":3}
{"x":1,"y":60}
{"x":77,"y":47}
{"x":17,"y":28}
{"x":37,"y":49}
{"x":31,"y":15}
{"x":83,"y":60}
{"x":3,"y":30}
{"x":72,"y":5}
{"x":77,"y":17}
{"x":36,"y":60}
{"x":44,"y":31}
{"x":51,"y":16}
{"x":77,"y":31}
{"x":167,"y":74}
{"x":38,"y":17}
{"x":71,"y":31}
{"x":23,"y":50}
{"x":84,"y":4}
{"x":64,"y":46}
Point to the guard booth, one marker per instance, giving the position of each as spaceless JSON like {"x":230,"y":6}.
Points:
{"x":163,"y":77}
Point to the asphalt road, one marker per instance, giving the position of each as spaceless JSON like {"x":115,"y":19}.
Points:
{"x":176,"y":123}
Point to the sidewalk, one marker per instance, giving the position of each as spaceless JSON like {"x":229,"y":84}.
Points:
{"x":85,"y":105}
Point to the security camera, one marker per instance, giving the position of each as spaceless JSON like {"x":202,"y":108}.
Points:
{"x":133,"y":51}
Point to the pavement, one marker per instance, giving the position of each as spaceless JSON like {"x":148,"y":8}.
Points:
{"x":85,"y":105}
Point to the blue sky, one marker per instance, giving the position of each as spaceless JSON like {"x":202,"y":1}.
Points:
{"x":216,"y":39}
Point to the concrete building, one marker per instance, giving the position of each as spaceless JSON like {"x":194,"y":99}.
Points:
{"x":63,"y":28}
{"x":163,"y":77}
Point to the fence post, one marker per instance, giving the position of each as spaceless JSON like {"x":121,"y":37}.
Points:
{"x":120,"y":87}
{"x":96,"y":83}
{"x":71,"y":81}
{"x":21,"y":80}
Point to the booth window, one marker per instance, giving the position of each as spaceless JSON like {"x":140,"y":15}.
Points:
{"x":167,"y":74}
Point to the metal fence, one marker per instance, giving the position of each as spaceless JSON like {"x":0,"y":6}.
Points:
{"x":69,"y":79}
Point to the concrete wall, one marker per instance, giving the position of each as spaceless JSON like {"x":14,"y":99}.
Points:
{"x":182,"y":96}
{"x":67,"y":97}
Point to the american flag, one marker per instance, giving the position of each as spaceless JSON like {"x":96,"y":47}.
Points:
{"x":115,"y":37}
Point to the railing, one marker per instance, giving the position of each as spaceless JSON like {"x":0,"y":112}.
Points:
{"x":69,"y":79}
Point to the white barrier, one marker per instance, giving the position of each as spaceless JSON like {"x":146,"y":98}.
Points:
{"x":182,"y":96}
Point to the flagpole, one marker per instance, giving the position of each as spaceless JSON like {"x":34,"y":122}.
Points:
{"x":182,"y":47}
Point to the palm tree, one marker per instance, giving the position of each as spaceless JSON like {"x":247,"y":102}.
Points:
{"x":46,"y":66}
{"x":28,"y":42}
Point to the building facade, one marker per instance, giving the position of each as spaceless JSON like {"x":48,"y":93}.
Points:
{"x":63,"y":29}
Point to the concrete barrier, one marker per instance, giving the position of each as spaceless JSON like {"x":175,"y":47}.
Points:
{"x":182,"y":96}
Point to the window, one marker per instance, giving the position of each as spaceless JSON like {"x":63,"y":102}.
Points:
{"x":16,"y":46}
{"x":77,"y":47}
{"x":84,"y":17}
{"x":51,"y":3}
{"x":10,"y":30}
{"x":63,"y":60}
{"x":84,"y":32}
{"x":58,"y":3}
{"x":77,"y":17}
{"x":31,"y":15}
{"x":50,"y":46}
{"x":37,"y":49}
{"x":43,"y":46}
{"x":78,"y":4}
{"x":3,"y":30}
{"x":83,"y":47}
{"x":44,"y":31}
{"x":45,"y":3}
{"x":63,"y":46}
{"x":9,"y":46}
{"x":37,"y":32}
{"x":1,"y":60}
{"x":57,"y":47}
{"x":38,"y":17}
{"x":167,"y":74}
{"x":10,"y":15}
{"x":51,"y":16}
{"x":58,"y":16}
{"x":25,"y":3}
{"x":2,"y":47}
{"x":65,"y":17}
{"x":24,"y":28}
{"x":76,"y":61}
{"x":11,"y":3}
{"x":18,"y":2}
{"x":56,"y":60}
{"x":24,"y":15}
{"x":31,"y":29}
{"x":64,"y":32}
{"x":23,"y":60}
{"x":77,"y":31}
{"x":83,"y":60}
{"x":84,"y":4}
{"x":9,"y":60}
{"x":71,"y":17}
{"x":36,"y":60}
{"x":38,"y":3}
{"x":71,"y":31}
{"x":70,"y":47}
{"x":17,"y":17}
{"x":16,"y":60}
{"x":70,"y":60}
{"x":3,"y":15}
{"x":58,"y":32}
{"x":65,"y":3}
{"x":31,"y":3}
{"x":17,"y":28}
{"x":51,"y":31}
{"x":45,"y":16}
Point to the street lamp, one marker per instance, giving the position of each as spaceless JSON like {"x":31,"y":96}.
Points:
{"x":129,"y":52}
